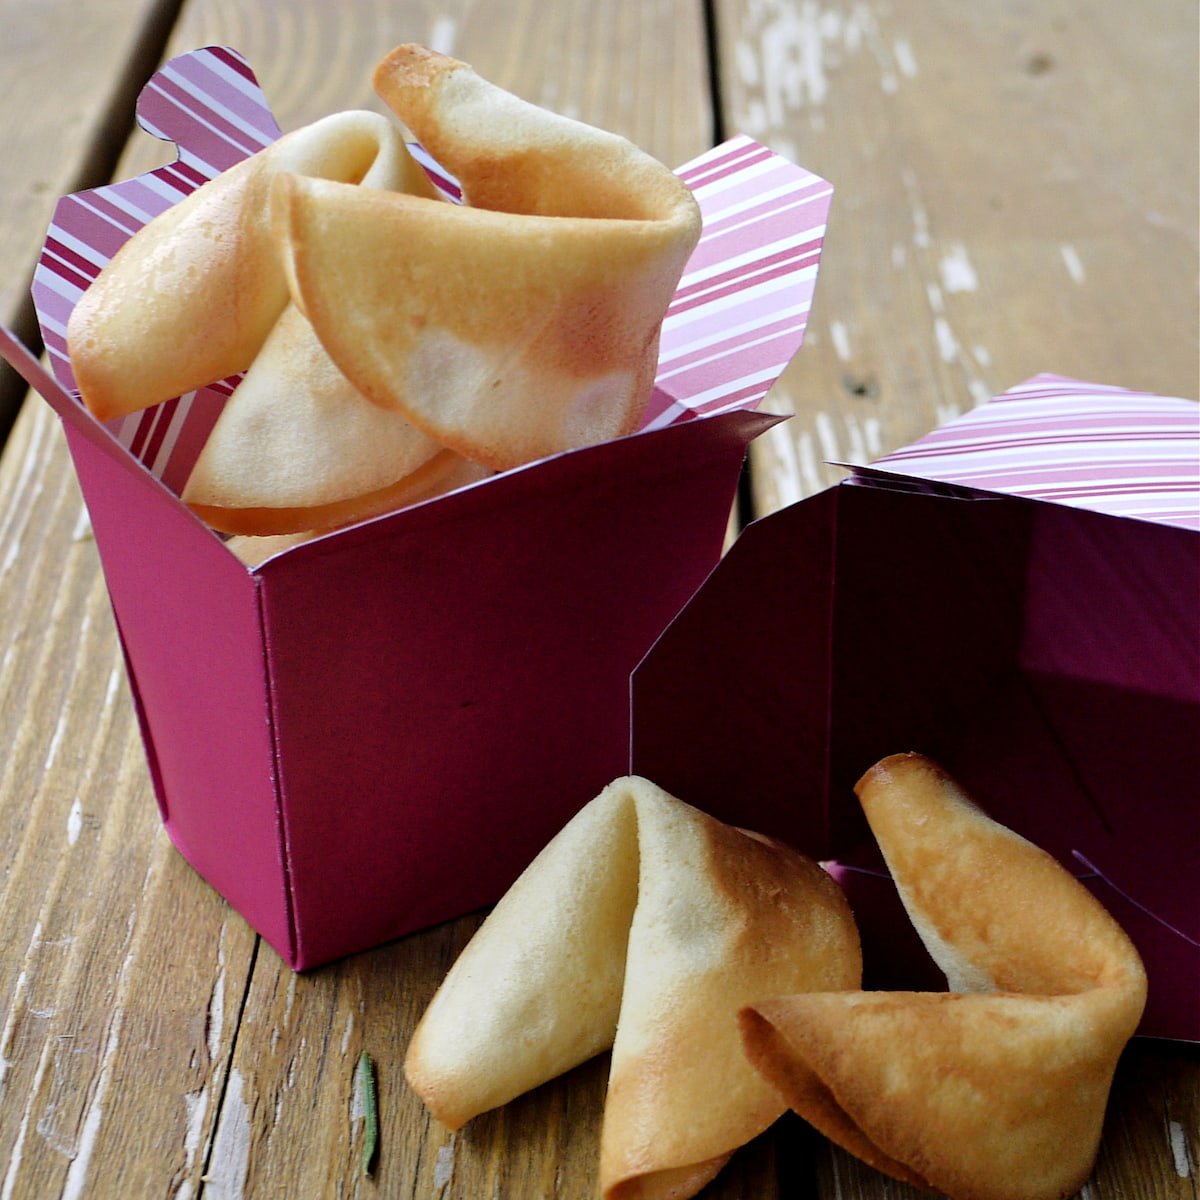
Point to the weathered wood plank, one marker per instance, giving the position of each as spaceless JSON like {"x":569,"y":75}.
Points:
{"x":68,"y":73}
{"x":1003,"y":207}
{"x":111,"y":945}
{"x":1000,"y":211}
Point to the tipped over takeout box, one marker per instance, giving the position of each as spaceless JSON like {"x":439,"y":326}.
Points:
{"x":376,"y":730}
{"x":1017,"y":595}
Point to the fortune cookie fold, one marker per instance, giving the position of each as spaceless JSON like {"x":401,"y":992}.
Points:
{"x":521,"y":323}
{"x":192,"y":296}
{"x":996,"y":1090}
{"x":201,"y":292}
{"x":644,"y":925}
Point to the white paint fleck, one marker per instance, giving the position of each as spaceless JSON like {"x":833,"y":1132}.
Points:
{"x":958,"y":275}
{"x":83,"y":525}
{"x":810,"y":472}
{"x":873,"y":433}
{"x":786,"y":473}
{"x":231,"y":1148}
{"x":18,"y":1147}
{"x":216,"y":1017}
{"x":74,"y":822}
{"x":55,"y":740}
{"x":114,"y":680}
{"x":947,"y":412}
{"x":934,"y":293}
{"x":196,"y":1104}
{"x":840,"y":338}
{"x":76,"y":1180}
{"x":347,"y":1032}
{"x":899,"y":255}
{"x":1073,"y":262}
{"x":443,"y":1169}
{"x":980,"y":392}
{"x":983,"y":356}
{"x":443,"y":34}
{"x":747,"y":63}
{"x":889,"y":83}
{"x":857,"y":452}
{"x":947,"y":342}
{"x":905,"y":59}
{"x":1179,"y":1149}
{"x":920,"y":217}
{"x":825,"y":434}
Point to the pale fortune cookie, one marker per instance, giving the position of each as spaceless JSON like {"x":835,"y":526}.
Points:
{"x":192,"y":296}
{"x":521,"y":323}
{"x":644,"y":925}
{"x":996,"y":1090}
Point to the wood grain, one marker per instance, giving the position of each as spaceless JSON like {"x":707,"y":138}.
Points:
{"x":1002,"y":207}
{"x":70,"y":71}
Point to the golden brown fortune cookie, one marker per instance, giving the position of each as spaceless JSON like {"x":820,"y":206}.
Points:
{"x":997,"y":1089}
{"x":525,"y":321}
{"x":645,"y":925}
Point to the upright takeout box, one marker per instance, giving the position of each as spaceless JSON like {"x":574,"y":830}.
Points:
{"x":378,"y":729}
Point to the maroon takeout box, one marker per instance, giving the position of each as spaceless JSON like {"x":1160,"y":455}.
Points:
{"x":376,"y":730}
{"x":1016,"y":595}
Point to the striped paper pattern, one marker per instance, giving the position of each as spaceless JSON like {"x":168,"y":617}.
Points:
{"x":738,"y":316}
{"x":1105,"y":449}
{"x":209,"y":103}
{"x":741,"y":308}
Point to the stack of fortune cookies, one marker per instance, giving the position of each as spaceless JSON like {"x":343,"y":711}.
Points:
{"x":394,"y":344}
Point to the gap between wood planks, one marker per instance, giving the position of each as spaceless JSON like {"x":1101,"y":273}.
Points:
{"x":95,"y":167}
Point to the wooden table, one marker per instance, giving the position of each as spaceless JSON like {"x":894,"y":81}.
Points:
{"x":1017,"y":193}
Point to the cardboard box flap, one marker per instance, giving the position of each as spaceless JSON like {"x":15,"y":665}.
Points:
{"x":1104,"y":449}
{"x":737,"y":319}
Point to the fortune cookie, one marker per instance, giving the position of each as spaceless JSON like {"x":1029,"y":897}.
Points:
{"x":521,"y":323}
{"x":997,"y":1089}
{"x":645,"y":925}
{"x":192,"y":296}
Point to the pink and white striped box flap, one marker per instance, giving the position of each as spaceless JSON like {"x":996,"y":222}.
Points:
{"x":738,"y":317}
{"x":1086,"y":445}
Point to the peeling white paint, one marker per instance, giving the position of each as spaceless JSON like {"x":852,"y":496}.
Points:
{"x":226,"y":1178}
{"x":905,"y":59}
{"x":946,"y":341}
{"x":1073,"y":262}
{"x":114,"y":680}
{"x":827,"y":438}
{"x":347,"y":1032}
{"x":18,"y":1147}
{"x":216,"y":1017}
{"x":786,"y":475}
{"x":55,"y":740}
{"x":443,"y":1169}
{"x":873,"y":433}
{"x":982,"y":355}
{"x":810,"y":471}
{"x":840,"y":338}
{"x":74,"y":822}
{"x":934,"y":294}
{"x":957,"y":272}
{"x":1179,"y":1149}
{"x":443,"y":34}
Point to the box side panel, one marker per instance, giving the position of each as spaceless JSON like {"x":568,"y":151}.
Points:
{"x":188,"y":618}
{"x":451,"y":683}
{"x":1111,"y":647}
{"x":730,"y":708}
{"x":989,"y":634}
